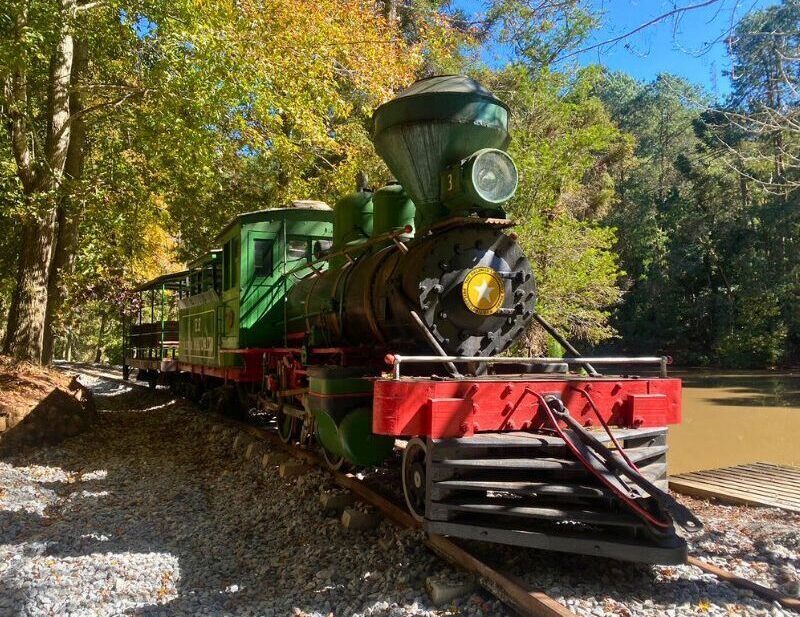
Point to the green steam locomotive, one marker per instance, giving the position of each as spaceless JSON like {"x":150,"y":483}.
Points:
{"x":388,"y":320}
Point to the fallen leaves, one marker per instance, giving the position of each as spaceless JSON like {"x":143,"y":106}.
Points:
{"x":704,"y":606}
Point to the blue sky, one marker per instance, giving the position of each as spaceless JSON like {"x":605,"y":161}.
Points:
{"x":686,"y":46}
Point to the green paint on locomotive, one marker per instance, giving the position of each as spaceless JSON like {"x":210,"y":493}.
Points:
{"x":341,"y":400}
{"x":352,"y":219}
{"x":238,"y":294}
{"x":392,"y":210}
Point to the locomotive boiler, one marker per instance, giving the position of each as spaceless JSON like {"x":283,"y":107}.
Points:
{"x":461,"y":284}
{"x":384,"y":327}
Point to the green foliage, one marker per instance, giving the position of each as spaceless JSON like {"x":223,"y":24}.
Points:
{"x":761,"y":342}
{"x":708,"y":215}
{"x":764,"y":49}
{"x":567,"y":150}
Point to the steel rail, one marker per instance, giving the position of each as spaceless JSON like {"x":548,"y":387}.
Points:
{"x":743,"y":583}
{"x":507,"y":588}
{"x":530,"y":603}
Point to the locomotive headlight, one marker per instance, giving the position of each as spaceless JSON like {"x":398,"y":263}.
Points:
{"x":486,"y":179}
{"x":491,"y":176}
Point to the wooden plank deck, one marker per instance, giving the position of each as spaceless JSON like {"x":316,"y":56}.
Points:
{"x":761,"y":484}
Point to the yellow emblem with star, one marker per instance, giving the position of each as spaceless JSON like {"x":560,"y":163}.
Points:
{"x":483,"y":291}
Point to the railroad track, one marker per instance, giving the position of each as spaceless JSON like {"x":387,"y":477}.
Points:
{"x":506,"y":587}
{"x":527,"y":602}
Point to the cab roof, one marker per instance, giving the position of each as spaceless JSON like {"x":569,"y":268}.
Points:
{"x":258,"y":216}
{"x":169,"y":281}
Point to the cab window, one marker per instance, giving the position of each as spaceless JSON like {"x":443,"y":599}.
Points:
{"x":262,"y":257}
{"x":230,"y":266}
{"x":297,"y":249}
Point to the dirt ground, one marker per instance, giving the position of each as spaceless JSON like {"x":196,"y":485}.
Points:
{"x":24,"y":385}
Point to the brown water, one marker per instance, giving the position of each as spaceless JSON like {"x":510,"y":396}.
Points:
{"x":731,"y":418}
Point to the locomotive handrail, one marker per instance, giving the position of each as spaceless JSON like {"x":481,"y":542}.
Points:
{"x":389,"y":235}
{"x":395,"y":360}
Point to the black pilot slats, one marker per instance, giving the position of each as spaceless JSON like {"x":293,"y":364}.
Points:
{"x":513,"y":507}
{"x":527,"y":489}
{"x":523,"y":488}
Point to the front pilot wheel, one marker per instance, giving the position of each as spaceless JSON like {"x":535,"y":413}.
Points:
{"x":414,"y":480}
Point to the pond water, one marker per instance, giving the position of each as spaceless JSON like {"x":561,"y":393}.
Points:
{"x":731,"y":418}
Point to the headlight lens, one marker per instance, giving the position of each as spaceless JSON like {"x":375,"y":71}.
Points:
{"x":493,"y":175}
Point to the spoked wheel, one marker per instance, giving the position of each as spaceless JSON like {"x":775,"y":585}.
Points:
{"x":414,"y":481}
{"x":287,"y":427}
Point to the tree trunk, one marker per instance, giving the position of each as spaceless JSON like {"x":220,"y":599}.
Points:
{"x":68,"y":353}
{"x":101,"y":334}
{"x":25,"y":335}
{"x":26,"y":328}
{"x":68,"y":217}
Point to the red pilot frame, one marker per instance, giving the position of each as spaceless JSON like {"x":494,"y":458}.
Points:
{"x":421,"y":406}
{"x":460,"y":408}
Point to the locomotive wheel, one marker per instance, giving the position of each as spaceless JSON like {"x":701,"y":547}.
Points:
{"x":414,"y":477}
{"x":332,"y":461}
{"x":287,"y":427}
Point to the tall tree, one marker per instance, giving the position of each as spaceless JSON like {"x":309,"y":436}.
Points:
{"x":40,"y":144}
{"x":167,"y":110}
{"x":765,"y":53}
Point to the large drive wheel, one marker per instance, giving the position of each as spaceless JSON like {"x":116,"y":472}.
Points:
{"x":333,"y":461}
{"x":414,"y":481}
{"x":287,"y":427}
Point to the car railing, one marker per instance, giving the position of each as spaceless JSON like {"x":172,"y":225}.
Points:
{"x":396,"y":360}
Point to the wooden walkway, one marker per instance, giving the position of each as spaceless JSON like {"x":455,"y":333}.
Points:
{"x":761,"y":484}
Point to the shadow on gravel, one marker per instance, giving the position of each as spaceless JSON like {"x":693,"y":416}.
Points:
{"x":102,"y":507}
{"x":152,"y":519}
{"x":149,"y":519}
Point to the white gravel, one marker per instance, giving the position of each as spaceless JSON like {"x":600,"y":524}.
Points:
{"x":149,"y":514}
{"x":759,"y":544}
{"x":153,"y":513}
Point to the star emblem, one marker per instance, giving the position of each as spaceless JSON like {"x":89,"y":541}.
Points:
{"x":485,"y":293}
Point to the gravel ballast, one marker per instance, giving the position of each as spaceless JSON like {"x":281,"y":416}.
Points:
{"x":159,"y":509}
{"x":150,"y":512}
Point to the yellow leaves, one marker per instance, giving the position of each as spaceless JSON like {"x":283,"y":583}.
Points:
{"x":703,"y":606}
{"x":132,"y":157}
{"x":302,"y":78}
{"x":157,"y":253}
{"x":310,"y":58}
{"x":322,"y":44}
{"x":167,"y":586}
